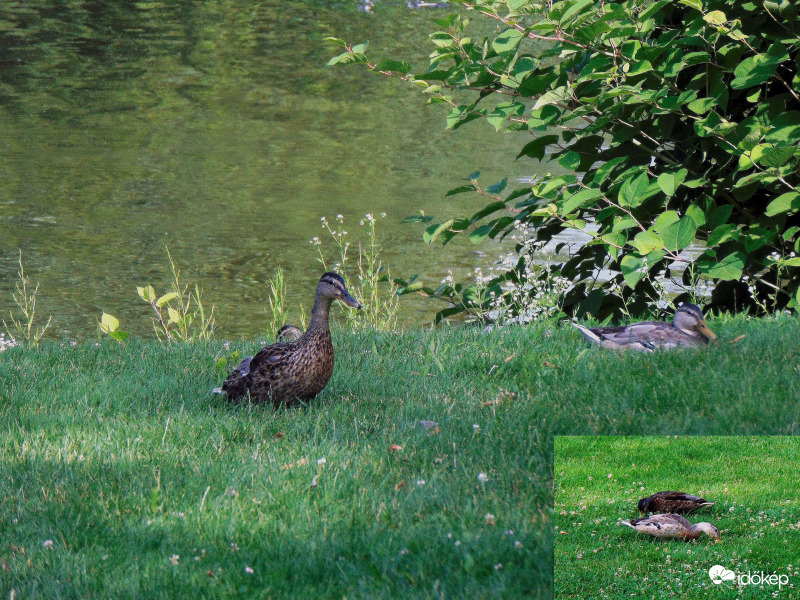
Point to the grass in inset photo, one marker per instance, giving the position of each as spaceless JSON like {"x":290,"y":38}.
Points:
{"x":599,"y":481}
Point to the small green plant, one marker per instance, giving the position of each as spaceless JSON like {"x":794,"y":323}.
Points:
{"x":380,"y":303}
{"x":22,"y":329}
{"x":276,"y":312}
{"x":109,"y":325}
{"x":185,"y":319}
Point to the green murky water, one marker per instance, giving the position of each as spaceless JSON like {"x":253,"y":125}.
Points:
{"x":214,"y":128}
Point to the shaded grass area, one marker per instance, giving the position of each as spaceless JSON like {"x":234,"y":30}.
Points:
{"x":124,"y":477}
{"x":599,"y":480}
{"x":148,"y":485}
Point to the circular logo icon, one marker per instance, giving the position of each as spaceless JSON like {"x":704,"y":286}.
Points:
{"x":718,"y":574}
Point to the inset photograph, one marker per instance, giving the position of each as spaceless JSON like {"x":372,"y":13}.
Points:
{"x":676,"y":517}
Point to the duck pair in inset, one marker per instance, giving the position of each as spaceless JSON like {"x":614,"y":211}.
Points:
{"x":669,"y":524}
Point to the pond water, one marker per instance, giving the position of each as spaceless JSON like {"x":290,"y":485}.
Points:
{"x":214,"y":129}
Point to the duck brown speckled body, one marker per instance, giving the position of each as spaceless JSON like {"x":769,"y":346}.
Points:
{"x":672,"y":502}
{"x":687,"y":330}
{"x":672,"y":526}
{"x":289,"y":372}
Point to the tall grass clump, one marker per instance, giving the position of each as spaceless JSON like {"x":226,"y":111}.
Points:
{"x":22,"y":328}
{"x":368,"y":280}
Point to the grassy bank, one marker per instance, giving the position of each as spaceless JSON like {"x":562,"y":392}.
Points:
{"x":148,"y":486}
{"x":599,"y":480}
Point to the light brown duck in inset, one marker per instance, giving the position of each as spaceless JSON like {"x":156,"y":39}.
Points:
{"x":672,"y":526}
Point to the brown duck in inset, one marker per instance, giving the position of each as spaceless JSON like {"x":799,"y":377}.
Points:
{"x":288,"y":372}
{"x":672,"y":502}
{"x":687,"y":330}
{"x":672,"y":526}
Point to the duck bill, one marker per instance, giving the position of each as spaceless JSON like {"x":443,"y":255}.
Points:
{"x":703,"y":328}
{"x":350,"y":301}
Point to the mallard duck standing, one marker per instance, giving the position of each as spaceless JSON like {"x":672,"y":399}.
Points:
{"x":672,"y":502}
{"x":288,"y":372}
{"x":672,"y":526}
{"x":688,"y":329}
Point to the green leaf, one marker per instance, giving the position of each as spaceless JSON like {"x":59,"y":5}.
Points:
{"x":434,"y":231}
{"x":120,"y":336}
{"x":507,"y":41}
{"x":669,"y":182}
{"x":108,"y":323}
{"x":664,"y":220}
{"x":633,"y":190}
{"x":777,"y":157}
{"x":631,"y":266}
{"x":728,"y":269}
{"x":787,"y":202}
{"x":498,"y":187}
{"x":697,"y":214}
{"x":166,"y":298}
{"x":461,"y":189}
{"x":148,"y":294}
{"x":715,"y":17}
{"x":679,"y":235}
{"x":536,"y":148}
{"x":395,"y":66}
{"x":579,"y":199}
{"x":174,"y":315}
{"x":570,"y":161}
{"x":480,"y":233}
{"x":647,"y":241}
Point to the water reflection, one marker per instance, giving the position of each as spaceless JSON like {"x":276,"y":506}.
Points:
{"x":214,"y":129}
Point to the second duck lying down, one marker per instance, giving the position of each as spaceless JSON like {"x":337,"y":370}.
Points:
{"x":672,"y":526}
{"x":672,"y":502}
{"x":289,"y":333}
{"x":688,"y":329}
{"x":290,"y":372}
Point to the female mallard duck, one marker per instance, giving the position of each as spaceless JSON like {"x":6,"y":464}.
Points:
{"x":672,"y":502}
{"x":289,"y":333}
{"x":672,"y":526}
{"x":688,"y":329}
{"x":288,"y":372}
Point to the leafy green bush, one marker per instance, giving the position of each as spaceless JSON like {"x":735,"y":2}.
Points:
{"x":677,"y":123}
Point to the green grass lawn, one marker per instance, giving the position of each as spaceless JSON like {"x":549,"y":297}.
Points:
{"x":600,"y":479}
{"x":148,"y":486}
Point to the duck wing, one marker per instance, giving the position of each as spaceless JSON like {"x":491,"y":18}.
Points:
{"x":678,"y":502}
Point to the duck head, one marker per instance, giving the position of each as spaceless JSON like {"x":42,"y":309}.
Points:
{"x":644,"y":505}
{"x":709,"y":529}
{"x":689,"y":319}
{"x":331,"y":285}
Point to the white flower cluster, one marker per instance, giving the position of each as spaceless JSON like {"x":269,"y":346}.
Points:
{"x":535,"y":295}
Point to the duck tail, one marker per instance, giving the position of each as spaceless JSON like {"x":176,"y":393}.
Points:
{"x":706,"y":503}
{"x":217,"y":390}
{"x":628,"y":523}
{"x":589,"y":334}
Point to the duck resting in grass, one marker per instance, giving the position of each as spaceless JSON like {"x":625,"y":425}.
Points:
{"x":293,"y":371}
{"x":672,"y":526}
{"x":687,"y":330}
{"x":672,"y":502}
